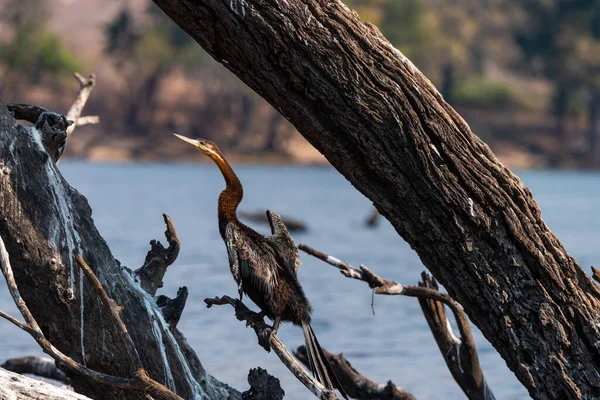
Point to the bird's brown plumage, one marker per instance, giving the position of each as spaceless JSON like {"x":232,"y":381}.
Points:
{"x":264,"y":267}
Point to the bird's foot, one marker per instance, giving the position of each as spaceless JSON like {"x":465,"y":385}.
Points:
{"x":264,"y":337}
{"x":256,"y":319}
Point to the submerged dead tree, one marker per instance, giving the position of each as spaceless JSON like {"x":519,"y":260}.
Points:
{"x":384,"y":126}
{"x":46,"y":226}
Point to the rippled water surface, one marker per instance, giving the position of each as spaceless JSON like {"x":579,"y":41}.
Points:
{"x":395,"y":343}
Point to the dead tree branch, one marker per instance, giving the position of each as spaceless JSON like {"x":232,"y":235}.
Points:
{"x":356,"y":385}
{"x":85,"y":89}
{"x":44,"y":223}
{"x":158,"y":259}
{"x":41,"y":366}
{"x":142,"y":382}
{"x":460,"y":354}
{"x":269,"y":341}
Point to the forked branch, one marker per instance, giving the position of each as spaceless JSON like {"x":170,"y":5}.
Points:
{"x":85,"y":89}
{"x":460,"y":354}
{"x":269,"y":341}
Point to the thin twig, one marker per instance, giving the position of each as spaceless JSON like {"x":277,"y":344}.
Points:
{"x":114,"y":308}
{"x":263,"y":332}
{"x":460,"y":354}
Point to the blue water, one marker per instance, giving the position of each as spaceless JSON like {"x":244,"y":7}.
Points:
{"x":394,"y":344}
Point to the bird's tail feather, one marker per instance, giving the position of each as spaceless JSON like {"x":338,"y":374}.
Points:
{"x":318,"y":363}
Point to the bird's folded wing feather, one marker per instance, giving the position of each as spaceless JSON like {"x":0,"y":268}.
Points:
{"x":281,"y":239}
{"x":249,"y":262}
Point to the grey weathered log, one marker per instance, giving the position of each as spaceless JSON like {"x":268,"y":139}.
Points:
{"x":45,"y":223}
{"x":35,"y":365}
{"x":17,"y":387}
{"x":262,"y":386}
{"x":383,"y":125}
{"x":356,"y":385}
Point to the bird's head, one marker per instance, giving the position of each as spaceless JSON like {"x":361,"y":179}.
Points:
{"x":206,"y":146}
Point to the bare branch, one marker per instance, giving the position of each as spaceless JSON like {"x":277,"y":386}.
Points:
{"x":85,"y":89}
{"x":269,"y":341}
{"x":88,"y":120}
{"x":158,"y":259}
{"x":460,"y":354}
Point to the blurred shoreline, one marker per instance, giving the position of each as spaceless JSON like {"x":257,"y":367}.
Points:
{"x":486,"y":58}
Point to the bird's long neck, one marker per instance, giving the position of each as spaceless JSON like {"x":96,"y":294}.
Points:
{"x":230,"y":198}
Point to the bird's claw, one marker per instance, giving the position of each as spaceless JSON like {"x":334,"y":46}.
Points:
{"x":264,"y":338}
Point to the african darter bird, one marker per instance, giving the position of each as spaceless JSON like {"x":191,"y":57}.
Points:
{"x":264,"y":267}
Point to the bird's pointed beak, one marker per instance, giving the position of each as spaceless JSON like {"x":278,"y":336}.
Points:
{"x":187,"y":139}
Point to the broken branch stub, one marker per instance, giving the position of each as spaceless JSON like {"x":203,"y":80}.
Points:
{"x":158,"y":259}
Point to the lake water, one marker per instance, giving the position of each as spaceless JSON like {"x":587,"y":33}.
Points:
{"x":394,"y":344}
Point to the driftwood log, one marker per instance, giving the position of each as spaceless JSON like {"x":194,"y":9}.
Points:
{"x":45,"y":224}
{"x":17,"y":387}
{"x":384,"y":126}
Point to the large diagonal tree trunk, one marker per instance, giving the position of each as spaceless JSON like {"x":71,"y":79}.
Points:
{"x":45,"y":223}
{"x":383,"y":125}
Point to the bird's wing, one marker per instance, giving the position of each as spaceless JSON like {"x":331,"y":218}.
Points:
{"x":232,"y":253}
{"x":284,"y":242}
{"x":250,"y":262}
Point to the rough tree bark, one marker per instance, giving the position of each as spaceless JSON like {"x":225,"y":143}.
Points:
{"x":384,"y":126}
{"x":45,"y":224}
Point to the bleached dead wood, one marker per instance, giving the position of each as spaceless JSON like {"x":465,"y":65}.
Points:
{"x":18,"y":387}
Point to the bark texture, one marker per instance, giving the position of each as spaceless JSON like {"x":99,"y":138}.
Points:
{"x":45,"y":224}
{"x":384,"y":126}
